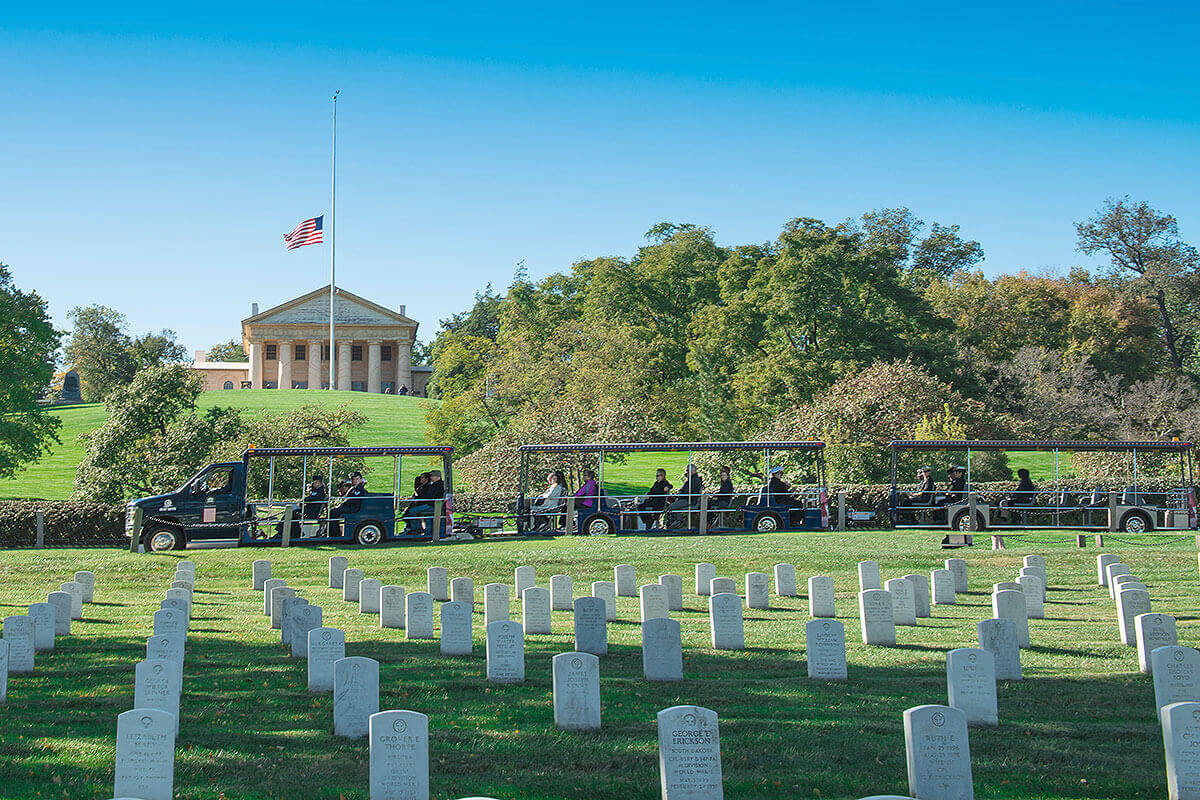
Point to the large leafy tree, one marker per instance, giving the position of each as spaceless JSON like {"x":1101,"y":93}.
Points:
{"x":100,"y":350}
{"x":27,"y":346}
{"x":230,"y":351}
{"x":1148,"y":257}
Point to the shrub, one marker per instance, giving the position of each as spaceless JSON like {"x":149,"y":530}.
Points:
{"x":66,"y":524}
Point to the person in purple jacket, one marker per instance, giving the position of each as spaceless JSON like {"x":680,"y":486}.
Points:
{"x":588,"y":490}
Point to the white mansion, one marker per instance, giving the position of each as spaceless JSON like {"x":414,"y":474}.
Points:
{"x":288,"y":347}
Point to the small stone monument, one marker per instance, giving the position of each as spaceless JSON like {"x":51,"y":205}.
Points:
{"x":1010,"y":604}
{"x":726,"y":621}
{"x":145,"y":764}
{"x":1176,"y":672}
{"x":785,"y":580}
{"x":758,"y":590}
{"x":337,"y":568}
{"x":86,"y":581}
{"x":608,"y":591}
{"x":999,"y":637}
{"x":689,"y":753}
{"x":904,"y":610}
{"x":268,"y":586}
{"x":591,"y":628}
{"x":625,"y":578}
{"x":535,"y":610}
{"x":456,"y":629}
{"x":877,"y":618}
{"x":939,"y":757}
{"x":523,"y":578}
{"x":42,"y":616}
{"x":1151,"y":631}
{"x":576,"y":691}
{"x":62,"y":612}
{"x":662,"y":650}
{"x":437,"y":583}
{"x":1181,"y":742}
{"x":920,"y":584}
{"x":971,"y":685}
{"x":958,"y":568}
{"x":943,"y":587}
{"x":351,"y":579}
{"x":825,"y":647}
{"x":821,"y":598}
{"x":326,"y":646}
{"x":653,"y":597}
{"x":355,"y":695}
{"x":368,"y":595}
{"x":418,"y":615}
{"x":18,"y":632}
{"x":1102,"y":562}
{"x":158,"y":684}
{"x":495,"y":602}
{"x":1035,"y":592}
{"x":462,"y":590}
{"x":562,"y":593}
{"x":505,"y":652}
{"x":868,"y":575}
{"x":391,"y":606}
{"x":704,"y":574}
{"x":399,"y":755}
{"x":674,"y":586}
{"x":1131,"y":603}
{"x":260,"y":570}
{"x":722,"y":586}
{"x":305,"y":619}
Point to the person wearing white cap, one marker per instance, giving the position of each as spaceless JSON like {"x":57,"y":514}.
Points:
{"x":780,"y":490}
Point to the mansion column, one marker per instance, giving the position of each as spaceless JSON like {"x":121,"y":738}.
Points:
{"x":314,"y":363}
{"x":404,"y":366}
{"x":254,"y":353}
{"x":374,"y":366}
{"x":343,"y":366}
{"x":285,"y":352}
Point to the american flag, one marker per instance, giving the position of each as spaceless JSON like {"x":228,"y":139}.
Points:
{"x":307,"y":232}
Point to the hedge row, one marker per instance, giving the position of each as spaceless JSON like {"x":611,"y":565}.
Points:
{"x":66,"y":524}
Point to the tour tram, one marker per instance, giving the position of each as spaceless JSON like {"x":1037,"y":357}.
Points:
{"x":261,"y":500}
{"x":804,"y":507}
{"x":1158,"y":495}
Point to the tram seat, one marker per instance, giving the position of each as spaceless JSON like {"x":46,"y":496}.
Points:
{"x":1132,"y":497}
{"x":607,"y":504}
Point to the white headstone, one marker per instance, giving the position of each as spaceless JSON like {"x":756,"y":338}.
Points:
{"x":3,"y":671}
{"x":368,"y":595}
{"x":662,"y":650}
{"x":260,"y":570}
{"x":62,"y":612}
{"x":562,"y":593}
{"x":306,"y":618}
{"x":785,"y":580}
{"x":904,"y":609}
{"x":462,"y":590}
{"x":165,"y":646}
{"x":722,"y":586}
{"x":268,"y":585}
{"x":277,"y":595}
{"x":1102,"y":562}
{"x":653,"y":601}
{"x":971,"y":685}
{"x":674,"y":586}
{"x":758,"y":590}
{"x":576,"y":685}
{"x":505,"y":652}
{"x":177,"y":603}
{"x":1034,"y":591}
{"x":523,"y":578}
{"x":535,"y":610}
{"x":87,"y":584}
{"x":1176,"y":675}
{"x":726,"y":621}
{"x":287,"y":617}
{"x":495,"y":602}
{"x":591,"y":628}
{"x":158,"y":684}
{"x":437,"y":583}
{"x":625,"y":578}
{"x":704,"y":574}
{"x":999,"y":637}
{"x":1152,"y":631}
{"x":607,"y":590}
{"x":689,"y":753}
{"x":1010,"y":604}
{"x":42,"y":615}
{"x":456,"y":629}
{"x":958,"y":568}
{"x":18,"y":632}
{"x":876,"y":617}
{"x":399,"y":755}
{"x":391,"y":606}
{"x":170,"y":622}
{"x":825,"y":648}
{"x":337,"y":569}
{"x":1131,"y":603}
{"x":1006,"y":586}
{"x":868,"y":575}
{"x":72,"y":588}
{"x":1181,"y":742}
{"x":920,"y":584}
{"x":326,"y":646}
{"x":355,"y":695}
{"x":145,"y":765}
{"x":184,"y":595}
{"x":418,"y":615}
{"x":943,"y":587}
{"x":939,"y":757}
{"x":1114,"y":569}
{"x":351,"y":579}
{"x":822,"y":601}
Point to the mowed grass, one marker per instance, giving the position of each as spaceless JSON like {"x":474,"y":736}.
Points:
{"x":391,"y":420}
{"x":1081,"y":724}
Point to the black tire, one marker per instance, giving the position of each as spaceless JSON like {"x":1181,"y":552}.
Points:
{"x":599,"y":525}
{"x":768,"y":523}
{"x":369,"y":533}
{"x":163,"y":538}
{"x":962,"y":522}
{"x":1135,"y":522}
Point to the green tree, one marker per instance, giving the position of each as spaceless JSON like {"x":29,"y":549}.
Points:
{"x":27,"y":346}
{"x":920,"y":261}
{"x":100,"y":351}
{"x":156,"y":348}
{"x":1148,"y":257}
{"x":230,"y":351}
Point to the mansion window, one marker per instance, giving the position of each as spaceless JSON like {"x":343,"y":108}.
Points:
{"x":356,"y":352}
{"x":271,"y":352}
{"x":301,"y":352}
{"x":325,"y":353}
{"x":385,"y":352}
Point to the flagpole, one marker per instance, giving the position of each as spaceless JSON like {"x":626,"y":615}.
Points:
{"x":333,"y":250}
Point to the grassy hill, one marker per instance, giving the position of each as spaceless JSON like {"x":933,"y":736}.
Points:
{"x":391,"y":420}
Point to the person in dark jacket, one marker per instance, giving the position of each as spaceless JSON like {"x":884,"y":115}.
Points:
{"x":926,"y":490}
{"x":314,"y":501}
{"x":687,"y":497}
{"x":436,"y":489}
{"x":1024,"y":495}
{"x":722,"y":498}
{"x":416,"y":510}
{"x":957,"y":490}
{"x":656,"y":498}
{"x":780,"y":491}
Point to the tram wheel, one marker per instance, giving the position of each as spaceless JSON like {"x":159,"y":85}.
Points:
{"x":1135,"y":522}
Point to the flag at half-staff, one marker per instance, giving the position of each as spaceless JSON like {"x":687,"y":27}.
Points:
{"x":307,"y":232}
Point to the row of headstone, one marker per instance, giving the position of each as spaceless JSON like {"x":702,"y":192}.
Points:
{"x":25,"y":635}
{"x":145,"y":747}
{"x":869,"y":574}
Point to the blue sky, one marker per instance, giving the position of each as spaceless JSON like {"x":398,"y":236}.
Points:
{"x":153,"y":155}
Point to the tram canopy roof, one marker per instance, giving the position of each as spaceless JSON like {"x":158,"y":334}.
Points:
{"x":1033,"y":444}
{"x":415,"y":450}
{"x":661,"y":447}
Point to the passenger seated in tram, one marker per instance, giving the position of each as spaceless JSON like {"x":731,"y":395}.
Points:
{"x":687,"y":497}
{"x":437,"y":487}
{"x":656,"y":498}
{"x":314,"y":501}
{"x":550,"y":502}
{"x":416,"y":510}
{"x":926,"y":492}
{"x":722,"y":498}
{"x":1024,"y":495}
{"x":956,"y":492}
{"x":589,"y":491}
{"x":780,"y":491}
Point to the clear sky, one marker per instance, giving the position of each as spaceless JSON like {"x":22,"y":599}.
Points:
{"x":152,"y":155}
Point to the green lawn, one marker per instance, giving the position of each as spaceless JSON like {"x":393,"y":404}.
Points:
{"x":391,"y":420}
{"x":1081,"y":724}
